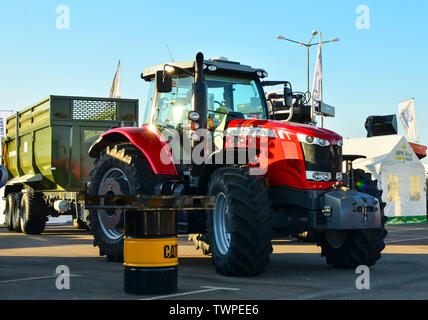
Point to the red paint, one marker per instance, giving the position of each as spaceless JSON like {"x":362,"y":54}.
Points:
{"x":284,"y":158}
{"x":151,"y":143}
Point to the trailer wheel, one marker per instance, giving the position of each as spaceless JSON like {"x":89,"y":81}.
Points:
{"x":349,"y":249}
{"x":120,"y":169}
{"x":33,"y":213}
{"x":8,"y":212}
{"x":16,"y":212}
{"x":240,"y":226}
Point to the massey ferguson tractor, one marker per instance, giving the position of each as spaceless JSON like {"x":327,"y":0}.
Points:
{"x":212,"y":131}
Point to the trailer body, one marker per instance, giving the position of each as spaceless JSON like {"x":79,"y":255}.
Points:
{"x":46,"y":145}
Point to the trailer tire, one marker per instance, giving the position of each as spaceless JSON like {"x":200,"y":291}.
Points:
{"x":33,"y":213}
{"x":132,"y":174}
{"x":16,"y":212}
{"x":8,"y":212}
{"x":240,"y":226}
{"x":358,"y":247}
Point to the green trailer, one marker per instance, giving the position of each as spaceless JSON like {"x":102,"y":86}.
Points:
{"x":45,"y":152}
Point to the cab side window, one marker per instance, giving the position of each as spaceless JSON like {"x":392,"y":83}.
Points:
{"x":172,"y":107}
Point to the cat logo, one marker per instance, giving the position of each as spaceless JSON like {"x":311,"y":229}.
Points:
{"x":170,"y":252}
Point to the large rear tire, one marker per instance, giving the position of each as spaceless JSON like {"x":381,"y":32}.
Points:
{"x":120,"y":169}
{"x":33,"y":213}
{"x":240,"y":226}
{"x":349,"y":249}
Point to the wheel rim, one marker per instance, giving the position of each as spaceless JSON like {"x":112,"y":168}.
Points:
{"x":222,"y":221}
{"x":335,"y":238}
{"x":114,"y":182}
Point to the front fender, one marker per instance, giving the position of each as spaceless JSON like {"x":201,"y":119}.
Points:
{"x":147,"y":139}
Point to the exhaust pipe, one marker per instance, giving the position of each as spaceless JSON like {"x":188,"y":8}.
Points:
{"x":199,"y":99}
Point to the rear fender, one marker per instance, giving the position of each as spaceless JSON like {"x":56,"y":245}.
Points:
{"x":147,"y":139}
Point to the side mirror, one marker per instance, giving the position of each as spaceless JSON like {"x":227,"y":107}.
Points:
{"x":288,"y":95}
{"x":163,"y":81}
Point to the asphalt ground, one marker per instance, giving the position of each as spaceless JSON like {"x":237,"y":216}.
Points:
{"x":28,"y":266}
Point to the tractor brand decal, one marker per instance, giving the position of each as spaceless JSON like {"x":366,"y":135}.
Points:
{"x":251,"y":131}
{"x":170,"y":252}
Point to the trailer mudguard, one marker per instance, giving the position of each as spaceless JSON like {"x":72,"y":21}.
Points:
{"x":147,"y":139}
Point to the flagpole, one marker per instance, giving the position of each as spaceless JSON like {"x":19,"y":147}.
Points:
{"x":322,"y":119}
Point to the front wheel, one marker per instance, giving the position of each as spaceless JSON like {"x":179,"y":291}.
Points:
{"x":240,"y":226}
{"x":349,"y":249}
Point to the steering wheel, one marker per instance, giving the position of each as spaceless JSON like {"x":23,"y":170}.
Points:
{"x":219,"y":103}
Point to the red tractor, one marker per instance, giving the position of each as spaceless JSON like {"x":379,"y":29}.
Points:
{"x":210,"y":130}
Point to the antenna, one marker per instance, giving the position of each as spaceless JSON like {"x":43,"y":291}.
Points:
{"x":170,"y":53}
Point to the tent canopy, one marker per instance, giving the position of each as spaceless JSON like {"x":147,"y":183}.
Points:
{"x":400,"y":174}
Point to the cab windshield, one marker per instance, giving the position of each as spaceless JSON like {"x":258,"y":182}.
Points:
{"x":225,"y":94}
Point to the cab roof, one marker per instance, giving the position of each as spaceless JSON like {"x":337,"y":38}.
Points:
{"x":223,"y":67}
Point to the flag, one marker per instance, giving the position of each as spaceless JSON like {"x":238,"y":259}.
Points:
{"x":407,"y":115}
{"x":115,"y":86}
{"x":317,"y":83}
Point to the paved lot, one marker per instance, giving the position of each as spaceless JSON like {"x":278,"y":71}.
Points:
{"x":297,"y":271}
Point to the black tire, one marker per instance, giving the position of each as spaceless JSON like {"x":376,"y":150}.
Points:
{"x":8,"y":212}
{"x":137,"y":178}
{"x":200,"y":241}
{"x":250,"y":222}
{"x":359,"y":247}
{"x":16,"y":212}
{"x":33,"y":213}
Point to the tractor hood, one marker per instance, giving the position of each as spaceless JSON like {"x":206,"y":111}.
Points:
{"x":281,"y":128}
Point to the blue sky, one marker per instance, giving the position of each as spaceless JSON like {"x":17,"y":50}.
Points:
{"x":367,"y":73}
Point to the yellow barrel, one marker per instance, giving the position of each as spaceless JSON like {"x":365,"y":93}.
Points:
{"x":150,"y":252}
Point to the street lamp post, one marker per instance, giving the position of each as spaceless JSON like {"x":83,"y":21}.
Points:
{"x":308,"y":46}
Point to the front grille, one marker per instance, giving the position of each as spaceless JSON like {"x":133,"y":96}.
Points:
{"x":323,"y":159}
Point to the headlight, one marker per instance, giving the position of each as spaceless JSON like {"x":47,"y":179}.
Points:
{"x":339,"y":176}
{"x":318,"y":176}
{"x":313,"y":140}
{"x":340,"y":143}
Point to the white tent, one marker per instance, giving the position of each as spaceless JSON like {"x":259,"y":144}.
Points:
{"x":400,"y":174}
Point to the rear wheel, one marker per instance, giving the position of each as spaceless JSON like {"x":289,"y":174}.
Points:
{"x":120,"y":170}
{"x":349,"y":249}
{"x":33,"y":213}
{"x":240,"y":226}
